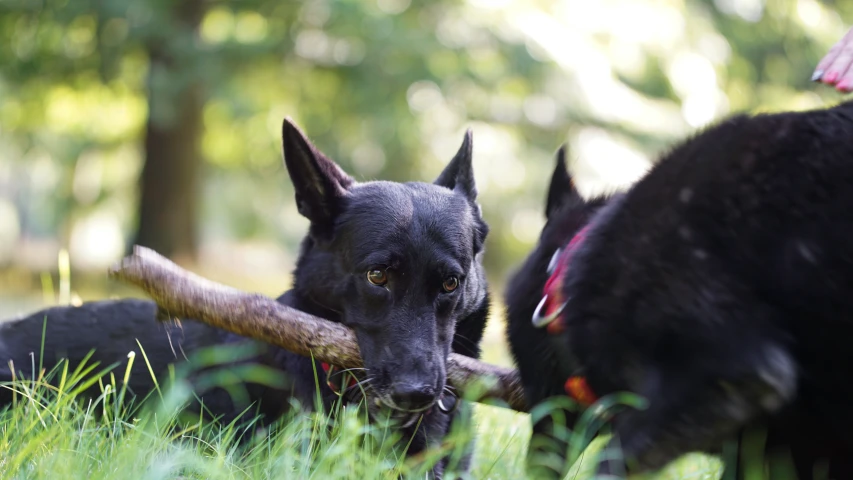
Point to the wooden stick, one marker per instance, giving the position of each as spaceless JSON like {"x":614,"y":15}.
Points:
{"x":183,"y":294}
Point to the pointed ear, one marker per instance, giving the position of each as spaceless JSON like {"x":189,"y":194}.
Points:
{"x":459,"y":174}
{"x":319,"y":183}
{"x":562,"y":190}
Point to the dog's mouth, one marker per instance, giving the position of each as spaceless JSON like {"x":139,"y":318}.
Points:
{"x":387,"y":401}
{"x":353,"y":387}
{"x":384,"y":406}
{"x":403,"y":418}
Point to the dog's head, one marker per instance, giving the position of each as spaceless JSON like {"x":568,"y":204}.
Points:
{"x":538,"y":354}
{"x":399,"y":263}
{"x":566,"y":212}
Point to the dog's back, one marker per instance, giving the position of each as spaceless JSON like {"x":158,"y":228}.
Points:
{"x":109,"y":330}
{"x":103,"y":335}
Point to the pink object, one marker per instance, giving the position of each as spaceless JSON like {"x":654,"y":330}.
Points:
{"x":830,"y":77}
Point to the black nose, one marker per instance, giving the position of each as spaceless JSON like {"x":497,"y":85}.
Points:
{"x":413,"y":397}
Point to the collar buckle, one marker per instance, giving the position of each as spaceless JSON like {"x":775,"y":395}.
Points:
{"x":539,"y":320}
{"x":552,"y":265}
{"x":447,"y":403}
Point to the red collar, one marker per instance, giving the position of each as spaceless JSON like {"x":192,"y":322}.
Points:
{"x":552,"y":305}
{"x":552,"y":300}
{"x":335,"y":379}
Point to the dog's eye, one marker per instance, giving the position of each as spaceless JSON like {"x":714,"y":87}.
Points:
{"x":377,"y":277}
{"x":450,"y":284}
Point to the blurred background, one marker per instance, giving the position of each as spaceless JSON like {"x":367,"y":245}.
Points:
{"x":157,"y":121}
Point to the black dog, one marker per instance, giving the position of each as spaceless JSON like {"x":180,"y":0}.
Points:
{"x":533,"y":349}
{"x":716,"y":288}
{"x":399,"y":263}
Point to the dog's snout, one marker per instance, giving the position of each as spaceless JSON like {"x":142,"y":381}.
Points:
{"x":413,"y":397}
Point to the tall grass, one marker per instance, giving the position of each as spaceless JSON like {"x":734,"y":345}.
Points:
{"x":57,"y":428}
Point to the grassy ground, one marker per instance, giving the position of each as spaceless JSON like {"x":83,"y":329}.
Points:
{"x":52,"y":434}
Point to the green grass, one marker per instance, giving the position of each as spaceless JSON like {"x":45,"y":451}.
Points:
{"x":57,"y":433}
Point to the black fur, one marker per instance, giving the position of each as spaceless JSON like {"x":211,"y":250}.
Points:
{"x":534,"y":352}
{"x":419,"y":234}
{"x":718,"y":287}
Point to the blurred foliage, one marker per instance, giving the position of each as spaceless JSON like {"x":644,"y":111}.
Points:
{"x":385,"y":87}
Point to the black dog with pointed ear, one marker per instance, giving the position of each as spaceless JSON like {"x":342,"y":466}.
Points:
{"x":533,"y":349}
{"x":797,"y":434}
{"x":400,"y":263}
{"x":718,"y":288}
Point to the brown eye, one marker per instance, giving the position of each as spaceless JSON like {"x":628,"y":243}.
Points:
{"x":377,"y":277}
{"x":450,"y":284}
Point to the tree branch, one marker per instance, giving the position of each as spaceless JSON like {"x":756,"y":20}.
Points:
{"x":180,"y":293}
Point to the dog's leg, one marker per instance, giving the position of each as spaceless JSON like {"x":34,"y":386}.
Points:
{"x":693,"y":412}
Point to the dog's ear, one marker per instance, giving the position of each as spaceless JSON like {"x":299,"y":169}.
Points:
{"x":319,"y":183}
{"x":562,"y":190}
{"x":458,"y":175}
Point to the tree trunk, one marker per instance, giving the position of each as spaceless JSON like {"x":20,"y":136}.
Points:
{"x":170,"y":179}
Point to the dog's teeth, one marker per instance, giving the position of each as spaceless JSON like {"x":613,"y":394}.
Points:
{"x":377,"y":402}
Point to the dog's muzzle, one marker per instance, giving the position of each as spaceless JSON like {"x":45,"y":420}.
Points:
{"x":347,"y":385}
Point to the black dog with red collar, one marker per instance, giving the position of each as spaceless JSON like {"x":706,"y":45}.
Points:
{"x":717,"y":288}
{"x":547,"y":372}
